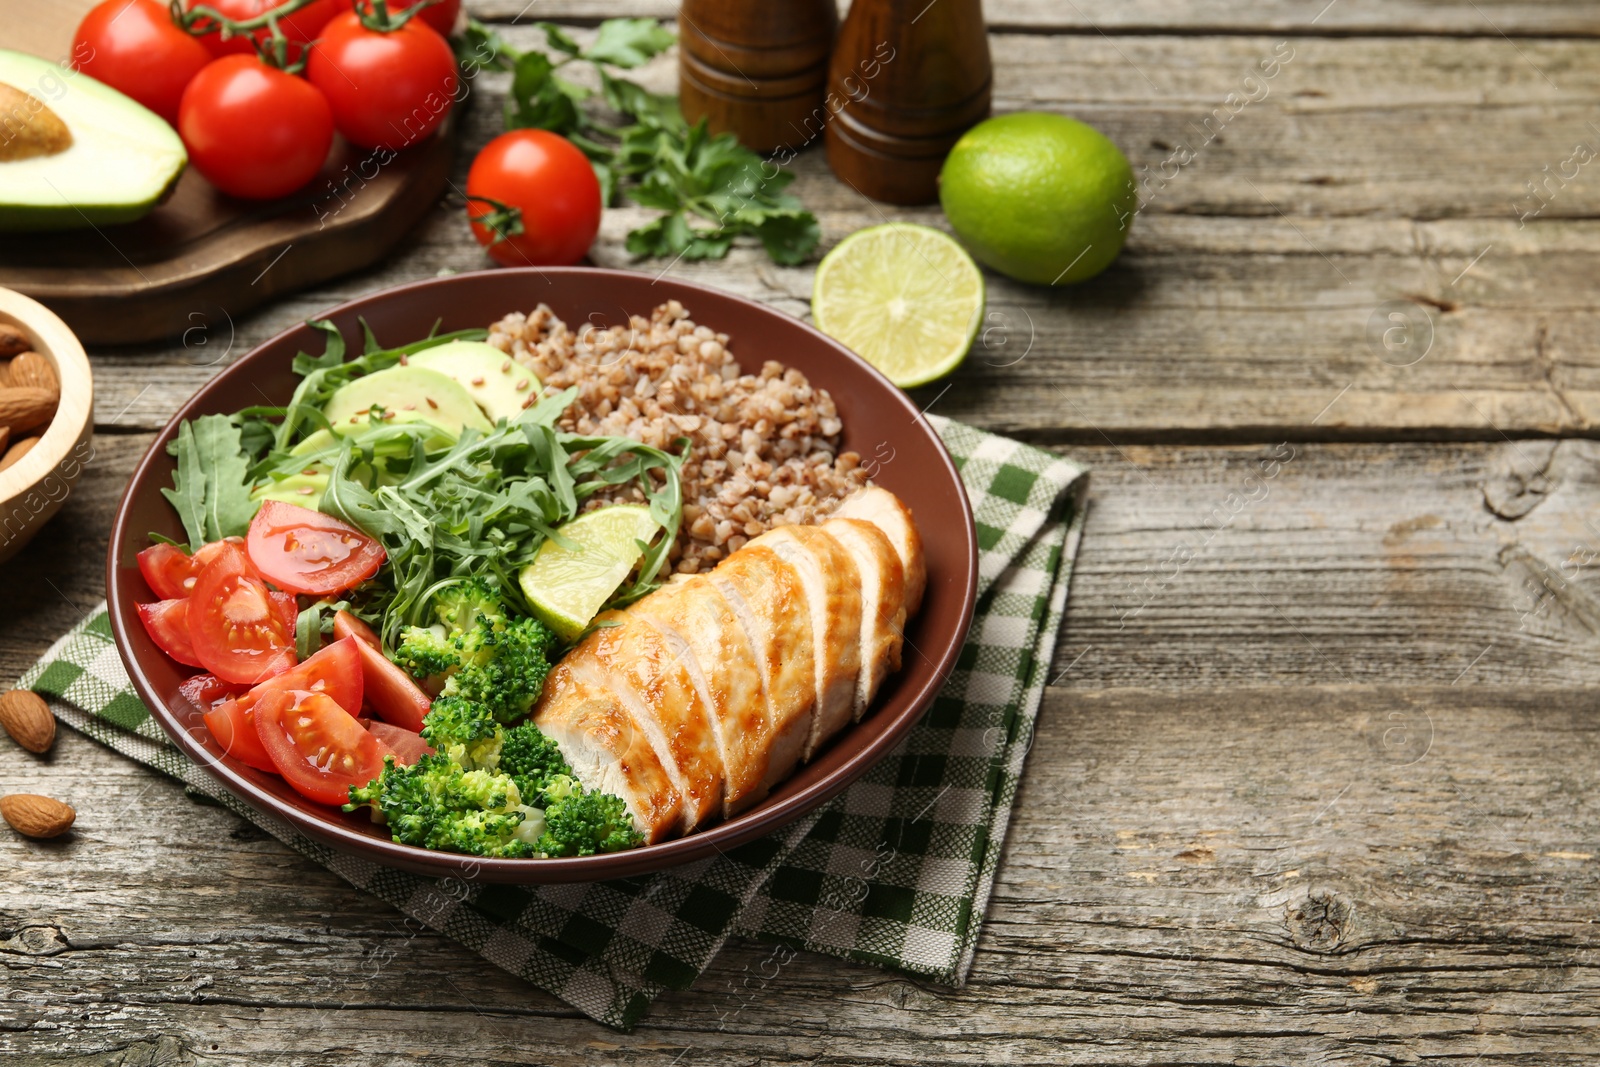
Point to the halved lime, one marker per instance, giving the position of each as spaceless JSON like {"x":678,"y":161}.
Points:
{"x":566,"y":589}
{"x":905,"y":298}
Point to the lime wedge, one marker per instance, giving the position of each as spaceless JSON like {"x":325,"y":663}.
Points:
{"x":567,"y":588}
{"x":907,"y":299}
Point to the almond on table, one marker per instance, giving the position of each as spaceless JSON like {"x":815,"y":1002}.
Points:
{"x":26,"y":717}
{"x":34,"y":816}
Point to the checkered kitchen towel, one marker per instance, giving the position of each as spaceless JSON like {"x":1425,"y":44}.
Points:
{"x":896,"y":871}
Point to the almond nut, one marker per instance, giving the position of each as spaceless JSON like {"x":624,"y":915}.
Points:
{"x":17,"y":451}
{"x":31,"y":370}
{"x":12,"y":340}
{"x":26,"y":717}
{"x":25,"y":409}
{"x":36,"y":816}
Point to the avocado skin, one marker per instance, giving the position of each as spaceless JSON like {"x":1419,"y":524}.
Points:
{"x":45,"y":218}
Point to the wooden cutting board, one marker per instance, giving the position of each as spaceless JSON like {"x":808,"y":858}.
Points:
{"x":202,"y":257}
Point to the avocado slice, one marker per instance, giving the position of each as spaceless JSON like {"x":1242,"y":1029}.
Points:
{"x":77,"y":153}
{"x":410,"y":394}
{"x":303,"y":489}
{"x":498,"y":384}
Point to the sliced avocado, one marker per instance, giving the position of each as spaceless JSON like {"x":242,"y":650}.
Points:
{"x":498,"y":384}
{"x":303,"y":489}
{"x":314,"y":442}
{"x":410,"y":394}
{"x":76,"y":153}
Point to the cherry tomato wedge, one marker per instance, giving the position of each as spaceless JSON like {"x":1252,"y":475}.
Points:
{"x":234,"y":728}
{"x":347,"y":625}
{"x":408,"y":746}
{"x":167,"y":623}
{"x":288,"y":609}
{"x":207,"y":691}
{"x":390,"y":691}
{"x":318,"y":748}
{"x":239,"y":634}
{"x":305,"y":551}
{"x":167,"y":571}
{"x":335,"y":671}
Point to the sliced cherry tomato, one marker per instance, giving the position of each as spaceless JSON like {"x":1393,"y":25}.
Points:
{"x":135,"y":47}
{"x":319,"y":749}
{"x":167,"y":622}
{"x":336,"y":671}
{"x":305,"y":551}
{"x":408,"y":746}
{"x":550,"y":183}
{"x":167,"y":571}
{"x":347,"y":625}
{"x":234,"y":728}
{"x":254,"y":131}
{"x":300,"y":28}
{"x":288,"y":609}
{"x":390,"y":691}
{"x":239,"y":634}
{"x":207,"y":691}
{"x":388,"y":89}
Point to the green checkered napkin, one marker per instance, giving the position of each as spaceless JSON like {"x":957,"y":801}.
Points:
{"x":896,"y":871}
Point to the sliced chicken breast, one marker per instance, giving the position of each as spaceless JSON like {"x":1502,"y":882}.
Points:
{"x":608,"y":751}
{"x":885,"y":511}
{"x":637,"y":664}
{"x":702,"y":630}
{"x":883,"y":604}
{"x":832,"y":585}
{"x":769,"y":600}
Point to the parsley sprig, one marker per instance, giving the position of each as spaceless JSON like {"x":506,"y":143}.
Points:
{"x":710,"y":189}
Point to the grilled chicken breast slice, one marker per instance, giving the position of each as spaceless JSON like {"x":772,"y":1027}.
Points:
{"x":885,"y":511}
{"x":608,"y":751}
{"x":883,"y":604}
{"x":769,"y":600}
{"x":832,"y":585}
{"x":700,"y":627}
{"x":637,"y":664}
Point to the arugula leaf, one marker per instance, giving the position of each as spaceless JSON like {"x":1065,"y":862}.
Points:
{"x":211,"y":487}
{"x":629,"y":42}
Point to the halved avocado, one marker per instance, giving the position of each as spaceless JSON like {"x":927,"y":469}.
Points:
{"x":74,"y":152}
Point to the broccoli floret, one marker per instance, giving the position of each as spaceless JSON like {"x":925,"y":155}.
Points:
{"x":436,"y":804}
{"x":579,"y":823}
{"x":532,"y":759}
{"x":425,"y":652}
{"x":479,"y":652}
{"x":464,"y":730}
{"x":460,"y":605}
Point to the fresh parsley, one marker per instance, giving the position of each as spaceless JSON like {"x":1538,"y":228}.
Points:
{"x":711,"y":190}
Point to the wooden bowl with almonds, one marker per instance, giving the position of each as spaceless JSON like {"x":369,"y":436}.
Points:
{"x":46,"y":417}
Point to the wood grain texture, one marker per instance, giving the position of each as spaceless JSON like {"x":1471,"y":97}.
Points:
{"x":1258,"y":281}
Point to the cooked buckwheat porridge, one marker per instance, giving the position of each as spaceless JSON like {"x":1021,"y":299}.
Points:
{"x":764,"y":447}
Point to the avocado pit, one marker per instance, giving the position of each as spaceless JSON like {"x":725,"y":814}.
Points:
{"x":28,"y":128}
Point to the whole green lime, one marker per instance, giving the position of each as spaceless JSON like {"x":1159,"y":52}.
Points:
{"x":1042,"y":198}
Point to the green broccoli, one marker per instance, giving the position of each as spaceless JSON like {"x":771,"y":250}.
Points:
{"x":580,"y":823}
{"x":478,"y":651}
{"x":436,"y":804}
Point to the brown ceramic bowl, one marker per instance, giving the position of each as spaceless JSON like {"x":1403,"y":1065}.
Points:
{"x":879,"y":421}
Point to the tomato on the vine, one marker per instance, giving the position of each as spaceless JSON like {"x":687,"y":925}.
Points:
{"x":135,"y":47}
{"x":533,"y":199}
{"x":299,"y":28}
{"x":441,"y":16}
{"x":254,"y":131}
{"x":388,"y":89}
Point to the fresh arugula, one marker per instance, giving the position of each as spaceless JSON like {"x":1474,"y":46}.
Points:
{"x":711,"y":190}
{"x":211,"y":486}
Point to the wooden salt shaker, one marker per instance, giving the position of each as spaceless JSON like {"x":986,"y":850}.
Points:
{"x":908,"y":78}
{"x":756,"y":68}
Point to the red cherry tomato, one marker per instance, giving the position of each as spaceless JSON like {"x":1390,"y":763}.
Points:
{"x":319,"y":749}
{"x":347,"y":625}
{"x":239,"y":634}
{"x":134,"y":46}
{"x":167,"y":622}
{"x":551,"y":183}
{"x":207,"y":691}
{"x":441,"y":16}
{"x":334,"y":671}
{"x":390,"y":691}
{"x":387,"y":90}
{"x":167,"y":571}
{"x":308,"y":552}
{"x":253,"y":131}
{"x":300,"y":28}
{"x":408,"y":747}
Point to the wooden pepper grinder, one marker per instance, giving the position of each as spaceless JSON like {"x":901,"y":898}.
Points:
{"x":908,"y":78}
{"x":756,"y":68}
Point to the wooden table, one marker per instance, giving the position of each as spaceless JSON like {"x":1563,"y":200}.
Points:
{"x":1317,"y":780}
